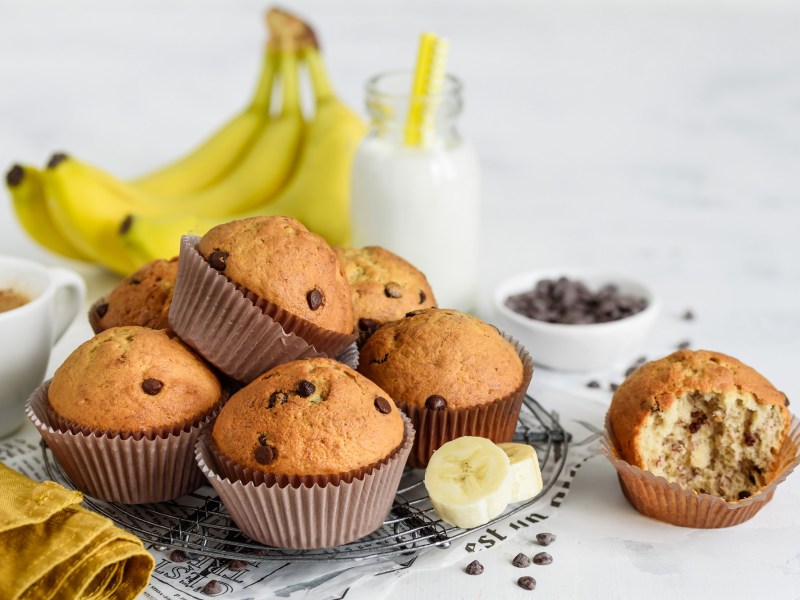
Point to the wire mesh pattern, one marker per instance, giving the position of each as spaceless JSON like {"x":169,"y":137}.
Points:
{"x":199,"y":524}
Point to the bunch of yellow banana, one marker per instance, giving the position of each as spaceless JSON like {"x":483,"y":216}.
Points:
{"x":265,"y":161}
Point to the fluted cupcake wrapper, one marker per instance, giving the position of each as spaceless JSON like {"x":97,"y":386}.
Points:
{"x":235,"y":330}
{"x":656,"y":497}
{"x":130,"y":469}
{"x":306,"y":513}
{"x":496,"y":421}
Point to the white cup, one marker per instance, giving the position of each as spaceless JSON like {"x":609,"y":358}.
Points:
{"x":28,"y":333}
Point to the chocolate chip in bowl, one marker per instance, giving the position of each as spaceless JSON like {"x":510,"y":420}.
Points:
{"x":576,"y":319}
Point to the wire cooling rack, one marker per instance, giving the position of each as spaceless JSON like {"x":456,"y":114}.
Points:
{"x":199,"y":524}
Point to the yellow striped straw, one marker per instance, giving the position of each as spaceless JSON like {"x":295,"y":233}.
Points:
{"x":428,"y":82}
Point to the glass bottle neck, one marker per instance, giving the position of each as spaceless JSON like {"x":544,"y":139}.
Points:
{"x":414,"y":121}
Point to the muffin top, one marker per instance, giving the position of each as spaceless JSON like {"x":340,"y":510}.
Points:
{"x":278,"y":259}
{"x":383,"y":286}
{"x":655,"y":386}
{"x":309,"y":417}
{"x":130,"y":379}
{"x":434,"y":356}
{"x":142,"y":299}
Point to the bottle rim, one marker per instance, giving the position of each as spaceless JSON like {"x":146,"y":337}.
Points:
{"x":397,"y":85}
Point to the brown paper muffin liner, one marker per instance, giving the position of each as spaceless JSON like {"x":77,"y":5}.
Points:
{"x":306,"y":512}
{"x":127,"y":468}
{"x":94,"y":321}
{"x":235,"y":330}
{"x":496,"y":421}
{"x":655,"y":497}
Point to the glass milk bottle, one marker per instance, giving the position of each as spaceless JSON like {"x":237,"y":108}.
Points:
{"x":422,"y":201}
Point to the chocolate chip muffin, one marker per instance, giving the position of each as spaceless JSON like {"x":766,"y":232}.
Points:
{"x":123,"y":413}
{"x":309,"y":417}
{"x":279,"y":260}
{"x":383,"y":286}
{"x":703,"y":420}
{"x":451,"y":373}
{"x":309,"y":455}
{"x":142,"y":299}
{"x":133,"y":379}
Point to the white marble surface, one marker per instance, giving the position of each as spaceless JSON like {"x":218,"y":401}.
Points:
{"x":658,"y":138}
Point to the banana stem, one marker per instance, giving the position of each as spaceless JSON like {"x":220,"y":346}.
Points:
{"x":323,"y":90}
{"x":290,"y":82}
{"x":262,"y":98}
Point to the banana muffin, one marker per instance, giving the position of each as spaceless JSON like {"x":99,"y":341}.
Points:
{"x":282,"y":262}
{"x":142,"y":299}
{"x":309,"y":455}
{"x":451,"y":373}
{"x":703,"y":420}
{"x":309,"y":417}
{"x":133,"y":379}
{"x":383,"y":286}
{"x":122,"y":415}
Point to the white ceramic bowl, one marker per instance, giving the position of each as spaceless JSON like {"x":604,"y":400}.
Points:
{"x":576,"y":347}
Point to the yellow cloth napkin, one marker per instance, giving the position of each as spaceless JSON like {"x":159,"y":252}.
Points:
{"x":51,"y":548}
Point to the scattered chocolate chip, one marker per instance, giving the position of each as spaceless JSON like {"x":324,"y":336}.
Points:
{"x":134,"y":281}
{"x":542,"y":558}
{"x":744,"y":494}
{"x":749,"y":439}
{"x":276,"y":398}
{"x":213,"y":587}
{"x":613,"y":387}
{"x":383,"y":406}
{"x":521,"y":561}
{"x":545,"y":539}
{"x":435,"y":402}
{"x":152,"y":386}
{"x":571,"y":302}
{"x":393,"y":290}
{"x":262,"y":439}
{"x":526,"y":583}
{"x":629,"y":371}
{"x":688,"y":316}
{"x":422,"y":296}
{"x":56,"y":160}
{"x":683,"y":345}
{"x":265,"y":454}
{"x":641,"y":360}
{"x":178,"y":556}
{"x":368,"y":325}
{"x":786,"y":400}
{"x":15,"y":176}
{"x":237,"y":565}
{"x":305,"y":388}
{"x":315,"y":299}
{"x":101,"y":309}
{"x":474,"y":568}
{"x":218,"y":260}
{"x":593,"y":384}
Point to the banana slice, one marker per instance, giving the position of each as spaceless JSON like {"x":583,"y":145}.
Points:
{"x":469,"y":481}
{"x":525,"y":474}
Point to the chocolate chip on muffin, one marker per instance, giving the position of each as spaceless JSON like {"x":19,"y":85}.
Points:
{"x":217,"y":260}
{"x":384,"y":287}
{"x":144,"y":299}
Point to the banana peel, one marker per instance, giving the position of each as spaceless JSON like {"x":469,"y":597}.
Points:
{"x":28,"y":200}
